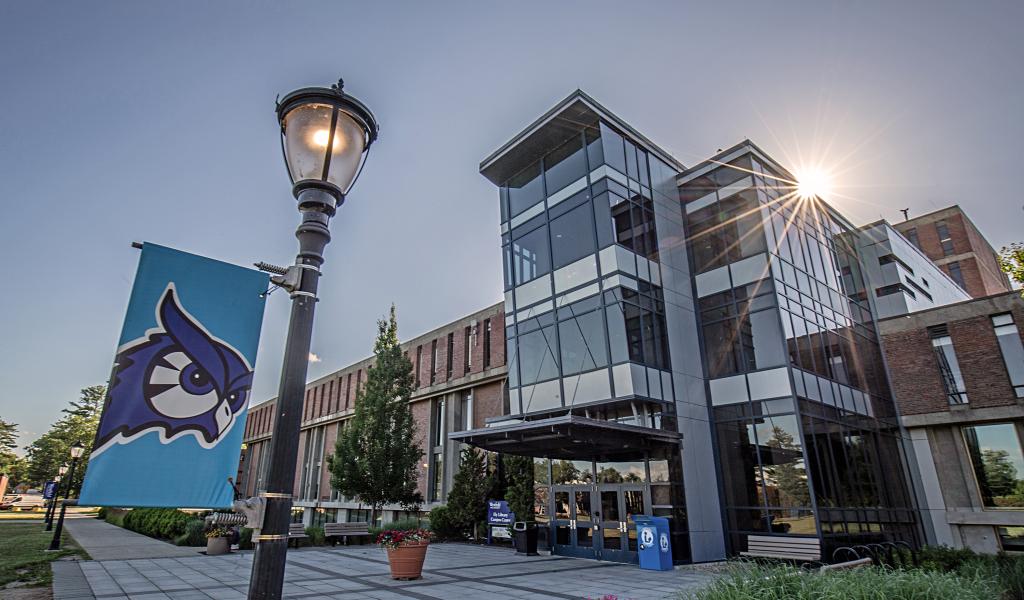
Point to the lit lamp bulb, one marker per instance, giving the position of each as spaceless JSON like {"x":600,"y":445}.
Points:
{"x":321,"y":137}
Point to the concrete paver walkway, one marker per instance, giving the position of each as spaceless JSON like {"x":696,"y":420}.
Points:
{"x":104,"y":541}
{"x":451,"y":572}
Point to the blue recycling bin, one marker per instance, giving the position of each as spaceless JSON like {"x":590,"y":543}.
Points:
{"x":654,"y":542}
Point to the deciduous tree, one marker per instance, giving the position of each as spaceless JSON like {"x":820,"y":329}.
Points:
{"x":376,"y":456}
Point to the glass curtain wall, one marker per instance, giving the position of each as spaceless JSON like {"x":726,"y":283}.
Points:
{"x":831,"y":450}
{"x":557,"y":220}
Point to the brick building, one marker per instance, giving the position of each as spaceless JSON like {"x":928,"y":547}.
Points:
{"x":952,"y":241}
{"x":957,"y":375}
{"x":460,"y":374}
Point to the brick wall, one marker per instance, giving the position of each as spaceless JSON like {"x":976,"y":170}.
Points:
{"x":487,"y":402}
{"x":916,"y":379}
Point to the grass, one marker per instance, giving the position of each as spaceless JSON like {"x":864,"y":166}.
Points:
{"x":747,"y":581}
{"x":25,"y":515}
{"x":23,"y":556}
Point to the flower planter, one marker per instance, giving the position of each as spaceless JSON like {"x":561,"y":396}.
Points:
{"x":217,"y":545}
{"x":406,"y":560}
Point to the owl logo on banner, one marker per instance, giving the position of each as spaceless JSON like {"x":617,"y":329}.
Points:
{"x":177,"y":380}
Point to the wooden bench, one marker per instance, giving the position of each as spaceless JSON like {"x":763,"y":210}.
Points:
{"x":783,"y":547}
{"x":297,"y":532}
{"x":333,"y":531}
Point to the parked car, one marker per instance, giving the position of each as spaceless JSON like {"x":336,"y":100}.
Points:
{"x":23,"y":502}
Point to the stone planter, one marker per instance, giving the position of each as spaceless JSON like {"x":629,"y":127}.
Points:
{"x":217,"y":545}
{"x":406,"y":561}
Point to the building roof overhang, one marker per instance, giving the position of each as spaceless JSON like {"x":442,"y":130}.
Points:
{"x":575,"y":113}
{"x":569,"y":437}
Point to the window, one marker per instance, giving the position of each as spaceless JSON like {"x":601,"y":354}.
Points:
{"x":895,"y":288}
{"x":944,"y":239}
{"x":572,"y":236}
{"x":952,"y":377}
{"x":525,"y":189}
{"x":487,"y":343}
{"x":582,"y":343}
{"x":726,"y":231}
{"x":466,"y":410}
{"x":419,"y":359}
{"x":537,"y":360}
{"x":439,"y":423}
{"x":633,"y":225}
{"x":451,"y":355}
{"x":998,"y":464}
{"x":467,"y":357}
{"x":565,"y":164}
{"x":528,"y":257}
{"x":956,"y":274}
{"x":1012,"y":350}
{"x":911,"y":234}
{"x":438,"y":487}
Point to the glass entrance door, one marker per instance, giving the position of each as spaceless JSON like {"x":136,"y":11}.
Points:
{"x":572,"y":521}
{"x":616,"y":539}
{"x":589,"y":521}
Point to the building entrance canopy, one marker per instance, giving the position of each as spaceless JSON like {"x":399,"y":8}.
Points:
{"x":569,"y":437}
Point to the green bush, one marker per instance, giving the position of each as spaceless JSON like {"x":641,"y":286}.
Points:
{"x":102,"y":514}
{"x":316,"y":536}
{"x":166,"y":523}
{"x":194,"y":535}
{"x":441,"y":524}
{"x":1007,"y":569}
{"x":245,"y":539}
{"x":399,"y":525}
{"x":746,"y":581}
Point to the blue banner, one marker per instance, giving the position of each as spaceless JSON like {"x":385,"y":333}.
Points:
{"x":171,"y":430}
{"x":49,"y":490}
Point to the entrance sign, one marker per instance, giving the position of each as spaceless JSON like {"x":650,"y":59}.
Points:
{"x":499,"y":514}
{"x":171,"y":429}
{"x":49,"y":490}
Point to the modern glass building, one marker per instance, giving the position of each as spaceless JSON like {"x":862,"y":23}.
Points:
{"x":694,"y":343}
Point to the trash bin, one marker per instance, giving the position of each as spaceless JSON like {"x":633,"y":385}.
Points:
{"x":654,"y":542}
{"x":525,"y":534}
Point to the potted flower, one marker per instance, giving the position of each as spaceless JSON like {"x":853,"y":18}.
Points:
{"x":406,"y":551}
{"x":217,"y":541}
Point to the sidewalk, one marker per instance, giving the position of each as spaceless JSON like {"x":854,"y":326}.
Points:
{"x":104,"y":541}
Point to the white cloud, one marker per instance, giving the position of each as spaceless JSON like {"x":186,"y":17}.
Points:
{"x":313,"y":358}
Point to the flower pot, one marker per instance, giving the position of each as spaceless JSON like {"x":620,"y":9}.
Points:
{"x":217,"y":545}
{"x":406,"y":561}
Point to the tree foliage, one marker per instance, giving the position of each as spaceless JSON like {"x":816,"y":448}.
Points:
{"x":520,"y":495}
{"x":467,"y":500}
{"x":1011,"y":259}
{"x":77,"y":425}
{"x":1000,"y":474}
{"x":12,"y":465}
{"x":376,"y":457}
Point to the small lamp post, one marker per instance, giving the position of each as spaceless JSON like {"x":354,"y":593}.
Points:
{"x":325,"y":135}
{"x":76,"y":453}
{"x":61,"y":471}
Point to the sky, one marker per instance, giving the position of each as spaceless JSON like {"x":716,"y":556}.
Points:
{"x":146,"y":121}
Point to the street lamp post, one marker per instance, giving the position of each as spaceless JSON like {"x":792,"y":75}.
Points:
{"x":76,"y":452}
{"x":325,"y":135}
{"x":61,"y":470}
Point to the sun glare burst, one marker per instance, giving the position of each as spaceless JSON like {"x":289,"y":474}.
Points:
{"x":813,"y":182}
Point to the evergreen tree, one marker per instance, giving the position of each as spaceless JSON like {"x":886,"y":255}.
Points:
{"x":1000,"y":474}
{"x":53,"y":448}
{"x":376,"y":457}
{"x":11,"y":464}
{"x":520,"y":495}
{"x":467,"y":500}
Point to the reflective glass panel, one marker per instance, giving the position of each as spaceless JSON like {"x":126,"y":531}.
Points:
{"x":572,"y":236}
{"x":537,"y":356}
{"x":582,"y":343}
{"x":621,"y":472}
{"x":998,"y":464}
{"x":571,"y":471}
{"x":530,"y":257}
{"x":525,"y":189}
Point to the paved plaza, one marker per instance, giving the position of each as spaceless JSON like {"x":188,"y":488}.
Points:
{"x":452,"y":571}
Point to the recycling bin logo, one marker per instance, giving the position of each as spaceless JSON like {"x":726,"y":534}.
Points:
{"x":647,"y":537}
{"x":663,"y":542}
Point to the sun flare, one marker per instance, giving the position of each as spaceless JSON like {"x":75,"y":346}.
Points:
{"x":813,"y":182}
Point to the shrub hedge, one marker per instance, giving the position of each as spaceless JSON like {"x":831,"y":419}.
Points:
{"x":194,"y":535}
{"x":164,"y":523}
